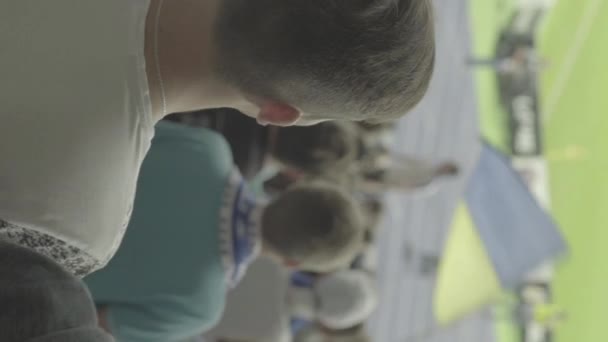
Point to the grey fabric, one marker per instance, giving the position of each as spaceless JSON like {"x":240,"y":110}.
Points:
{"x":88,"y":334}
{"x":42,"y":302}
{"x":255,"y":309}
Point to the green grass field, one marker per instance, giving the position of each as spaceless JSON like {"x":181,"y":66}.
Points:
{"x":574,"y":38}
{"x":488,"y":17}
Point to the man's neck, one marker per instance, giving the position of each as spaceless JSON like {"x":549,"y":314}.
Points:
{"x":179,"y":56}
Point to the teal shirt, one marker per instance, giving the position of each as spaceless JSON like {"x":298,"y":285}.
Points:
{"x":167,"y":281}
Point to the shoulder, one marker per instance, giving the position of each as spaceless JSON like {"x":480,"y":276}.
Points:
{"x":168,"y":316}
{"x":185,"y":168}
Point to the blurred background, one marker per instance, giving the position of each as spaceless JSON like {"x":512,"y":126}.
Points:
{"x":484,"y":206}
{"x":513,"y":250}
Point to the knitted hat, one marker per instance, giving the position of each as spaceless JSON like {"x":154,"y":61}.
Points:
{"x":42,"y":302}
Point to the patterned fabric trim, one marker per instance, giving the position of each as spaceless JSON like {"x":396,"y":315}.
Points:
{"x":74,"y":259}
{"x":225,"y":231}
{"x":240,"y":242}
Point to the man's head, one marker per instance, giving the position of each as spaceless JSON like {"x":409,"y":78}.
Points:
{"x":41,"y":302}
{"x":313,"y":227}
{"x":328,"y":146}
{"x":304,"y":61}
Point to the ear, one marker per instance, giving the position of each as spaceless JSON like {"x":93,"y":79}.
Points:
{"x":278,"y":114}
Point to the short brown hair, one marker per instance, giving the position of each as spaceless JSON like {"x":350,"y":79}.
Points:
{"x":332,"y":59}
{"x":316,"y":225}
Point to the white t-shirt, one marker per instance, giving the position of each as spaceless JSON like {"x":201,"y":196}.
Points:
{"x":75,"y":124}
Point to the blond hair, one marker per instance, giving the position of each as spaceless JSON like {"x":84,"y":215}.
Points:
{"x":318,"y":226}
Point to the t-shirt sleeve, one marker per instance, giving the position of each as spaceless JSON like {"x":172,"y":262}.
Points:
{"x":152,"y":322}
{"x":75,"y":119}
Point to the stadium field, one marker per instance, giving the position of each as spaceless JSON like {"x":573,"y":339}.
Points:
{"x":488,"y":18}
{"x":574,"y":102}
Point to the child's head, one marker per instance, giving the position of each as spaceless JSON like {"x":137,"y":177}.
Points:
{"x":329,"y":146}
{"x":345,"y":298}
{"x":303,"y":61}
{"x":336,"y":301}
{"x":314,"y":227}
{"x":42,"y":302}
{"x":316,"y":333}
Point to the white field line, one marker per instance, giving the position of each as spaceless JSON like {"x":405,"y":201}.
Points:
{"x":588,"y":18}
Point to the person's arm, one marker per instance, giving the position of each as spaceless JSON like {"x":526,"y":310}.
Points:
{"x":147,"y":323}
